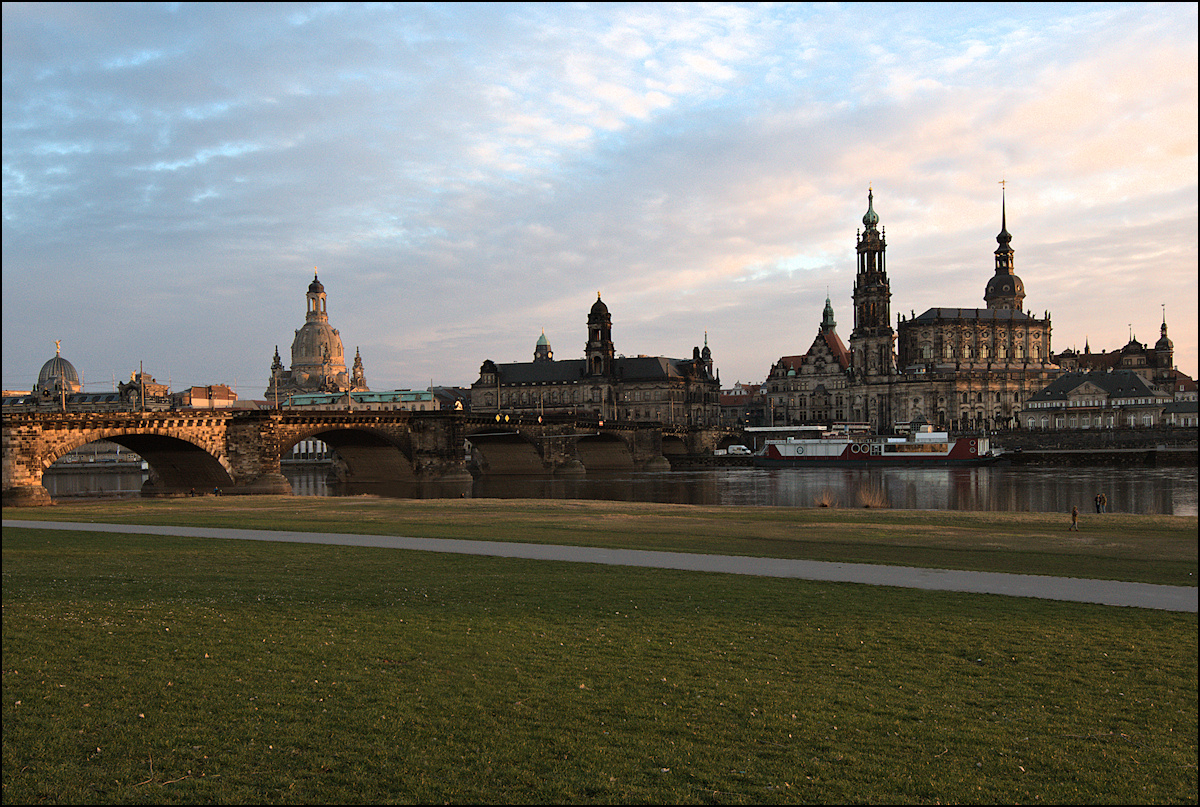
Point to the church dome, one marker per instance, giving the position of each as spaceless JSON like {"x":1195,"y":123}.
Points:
{"x":598,"y":307}
{"x":61,"y":370}
{"x":315,"y":287}
{"x":1004,"y":286}
{"x":314,"y":342}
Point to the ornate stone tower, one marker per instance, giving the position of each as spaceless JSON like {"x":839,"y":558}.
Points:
{"x":358,"y":376}
{"x":828,"y":323}
{"x":1164,"y":354}
{"x":1005,"y":289}
{"x":599,"y":350}
{"x":872,"y":342}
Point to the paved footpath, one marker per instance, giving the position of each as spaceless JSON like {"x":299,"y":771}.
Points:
{"x":1105,"y":592}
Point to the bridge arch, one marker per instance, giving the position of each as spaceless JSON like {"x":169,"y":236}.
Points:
{"x":506,"y":451}
{"x":604,"y":451}
{"x":178,"y":461}
{"x":366,"y":454}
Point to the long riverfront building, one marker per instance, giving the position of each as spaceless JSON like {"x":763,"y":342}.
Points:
{"x":602,"y":385}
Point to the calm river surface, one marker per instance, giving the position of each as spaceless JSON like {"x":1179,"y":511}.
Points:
{"x":1167,"y":491}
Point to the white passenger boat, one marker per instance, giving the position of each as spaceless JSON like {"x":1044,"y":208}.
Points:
{"x":922,"y":447}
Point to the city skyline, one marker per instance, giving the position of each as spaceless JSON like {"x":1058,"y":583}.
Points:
{"x":464,"y":178}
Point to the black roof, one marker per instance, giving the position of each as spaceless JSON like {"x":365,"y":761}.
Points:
{"x":640,"y":368}
{"x":1118,"y":383}
{"x":934,"y":314}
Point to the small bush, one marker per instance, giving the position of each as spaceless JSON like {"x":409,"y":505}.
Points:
{"x":826,"y":499}
{"x":872,"y":496}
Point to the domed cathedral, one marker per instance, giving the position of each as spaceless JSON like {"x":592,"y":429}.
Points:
{"x":58,"y":378}
{"x":972,"y":368}
{"x":602,"y":385}
{"x":318,"y":359}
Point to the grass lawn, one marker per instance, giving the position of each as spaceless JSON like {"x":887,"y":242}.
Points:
{"x":149,"y":669}
{"x":1138,"y":548}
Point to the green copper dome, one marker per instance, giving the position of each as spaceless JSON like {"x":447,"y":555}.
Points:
{"x":871,"y":218}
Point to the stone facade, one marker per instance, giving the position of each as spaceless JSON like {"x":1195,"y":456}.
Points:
{"x":813,"y":387}
{"x":956,"y":368}
{"x":318,"y":359}
{"x":602,"y":385}
{"x":1101,"y":399}
{"x":1154,"y":365}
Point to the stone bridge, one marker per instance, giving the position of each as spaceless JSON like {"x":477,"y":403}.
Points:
{"x":239,"y":451}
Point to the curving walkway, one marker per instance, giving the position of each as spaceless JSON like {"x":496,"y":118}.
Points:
{"x":1105,"y":592}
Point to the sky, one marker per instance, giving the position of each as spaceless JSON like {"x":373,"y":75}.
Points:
{"x":465,"y":177}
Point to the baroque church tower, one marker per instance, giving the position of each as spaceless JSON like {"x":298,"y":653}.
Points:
{"x":872,"y":342}
{"x":1005,"y":289}
{"x":599,"y":350}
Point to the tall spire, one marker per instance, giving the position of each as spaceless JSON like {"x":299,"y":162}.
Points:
{"x":1004,"y":289}
{"x":870,"y":218}
{"x":827,"y":321}
{"x":1004,"y":237}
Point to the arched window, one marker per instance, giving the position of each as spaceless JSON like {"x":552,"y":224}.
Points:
{"x":927,"y":352}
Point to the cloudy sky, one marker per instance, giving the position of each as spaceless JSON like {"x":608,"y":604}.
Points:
{"x":466,"y":176}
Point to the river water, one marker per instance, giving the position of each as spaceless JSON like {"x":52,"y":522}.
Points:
{"x":1166,"y":491}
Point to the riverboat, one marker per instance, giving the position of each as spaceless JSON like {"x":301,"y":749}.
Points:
{"x":922,"y":447}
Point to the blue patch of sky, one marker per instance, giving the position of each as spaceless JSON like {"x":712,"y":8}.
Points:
{"x":203,"y":156}
{"x":132,"y":60}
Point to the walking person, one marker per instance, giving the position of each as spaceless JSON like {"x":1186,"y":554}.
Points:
{"x":1099,"y":500}
{"x":1074,"y":519}
{"x":1103,"y":503}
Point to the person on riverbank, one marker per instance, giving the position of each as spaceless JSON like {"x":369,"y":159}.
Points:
{"x":1099,"y":499}
{"x":1103,"y":503}
{"x":1074,"y":519}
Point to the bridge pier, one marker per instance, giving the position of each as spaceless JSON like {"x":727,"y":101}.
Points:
{"x":27,"y":496}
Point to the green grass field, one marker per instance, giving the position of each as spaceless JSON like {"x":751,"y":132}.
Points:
{"x":1139,"y":548}
{"x":150,"y":669}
